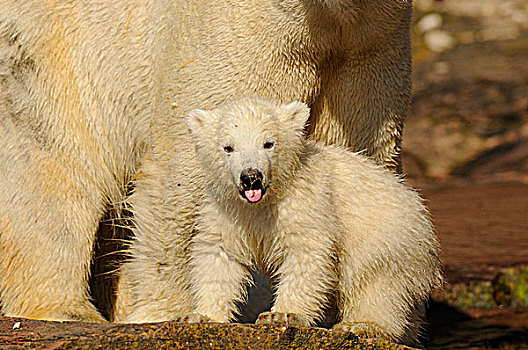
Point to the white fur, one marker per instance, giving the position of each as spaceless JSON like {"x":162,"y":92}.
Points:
{"x":92,"y":95}
{"x":332,"y":226}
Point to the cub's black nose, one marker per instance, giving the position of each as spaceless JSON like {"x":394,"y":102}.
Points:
{"x":251,"y":179}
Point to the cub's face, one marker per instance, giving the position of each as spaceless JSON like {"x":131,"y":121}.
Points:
{"x":248,"y":147}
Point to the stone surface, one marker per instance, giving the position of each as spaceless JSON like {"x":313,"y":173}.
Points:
{"x":429,"y":22}
{"x":478,"y":20}
{"x":439,"y":40}
{"x":483,"y":229}
{"x":31,"y":334}
{"x":469,"y":104}
{"x":477,"y":329}
{"x":469,"y":110}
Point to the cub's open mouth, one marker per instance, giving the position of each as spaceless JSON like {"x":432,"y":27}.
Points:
{"x":251,"y":186}
{"x":253,"y":196}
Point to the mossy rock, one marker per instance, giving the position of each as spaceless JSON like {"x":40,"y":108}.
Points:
{"x":511,"y":288}
{"x":31,"y":334}
{"x":473,"y":295}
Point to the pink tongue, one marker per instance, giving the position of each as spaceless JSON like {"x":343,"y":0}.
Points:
{"x":253,"y":195}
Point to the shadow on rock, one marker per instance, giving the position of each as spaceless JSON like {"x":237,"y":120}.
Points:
{"x":450,"y":329}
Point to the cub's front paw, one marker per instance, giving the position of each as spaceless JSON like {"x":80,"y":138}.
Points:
{"x":288,"y":319}
{"x":362,"y":329}
{"x":191,"y":318}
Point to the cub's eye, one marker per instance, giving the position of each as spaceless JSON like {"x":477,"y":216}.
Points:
{"x":269,"y":145}
{"x":228,"y":149}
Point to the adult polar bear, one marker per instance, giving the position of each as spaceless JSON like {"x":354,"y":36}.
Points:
{"x":92,"y":96}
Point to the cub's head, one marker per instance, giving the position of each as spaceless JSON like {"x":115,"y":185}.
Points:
{"x":249,"y":147}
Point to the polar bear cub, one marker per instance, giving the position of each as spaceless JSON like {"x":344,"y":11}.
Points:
{"x":333,"y":229}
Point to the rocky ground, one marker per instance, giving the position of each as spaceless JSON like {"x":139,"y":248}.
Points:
{"x":483,"y":229}
{"x":29,"y":334}
{"x":466,"y":147}
{"x":469,"y":112}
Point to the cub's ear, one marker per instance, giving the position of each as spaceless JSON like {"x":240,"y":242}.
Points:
{"x":297,"y":112}
{"x":197,"y":119}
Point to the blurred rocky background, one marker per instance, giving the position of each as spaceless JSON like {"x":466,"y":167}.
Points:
{"x":466,"y":147}
{"x":469,"y":112}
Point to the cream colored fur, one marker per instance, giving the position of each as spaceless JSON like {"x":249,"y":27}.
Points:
{"x":89,"y":90}
{"x":332,"y":225}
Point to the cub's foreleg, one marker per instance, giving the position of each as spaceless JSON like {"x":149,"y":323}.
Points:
{"x":219,"y":273}
{"x":307,"y":273}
